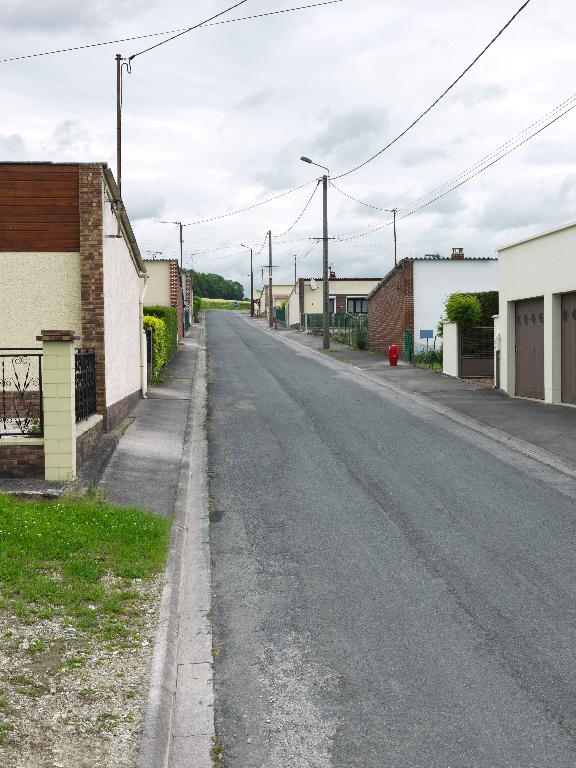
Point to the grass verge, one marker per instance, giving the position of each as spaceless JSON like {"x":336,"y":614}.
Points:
{"x":78,"y":583}
{"x":224,"y":304}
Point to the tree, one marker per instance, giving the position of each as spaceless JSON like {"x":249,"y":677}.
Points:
{"x":212,"y":286}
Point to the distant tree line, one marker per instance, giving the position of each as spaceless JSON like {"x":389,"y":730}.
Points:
{"x":211,"y":286}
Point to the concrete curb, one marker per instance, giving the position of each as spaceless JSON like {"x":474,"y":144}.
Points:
{"x":187,"y":577}
{"x":522,"y":446}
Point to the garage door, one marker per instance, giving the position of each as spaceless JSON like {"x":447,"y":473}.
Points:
{"x":530,"y":348}
{"x":569,"y":348}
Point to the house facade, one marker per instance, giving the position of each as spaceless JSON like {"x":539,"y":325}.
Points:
{"x":69,"y":260}
{"x":280,"y":294}
{"x":535,"y":333}
{"x":166,"y":288}
{"x":412,"y":297}
{"x":346,"y":295}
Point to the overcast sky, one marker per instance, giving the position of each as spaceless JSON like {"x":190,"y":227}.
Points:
{"x":218,"y":120}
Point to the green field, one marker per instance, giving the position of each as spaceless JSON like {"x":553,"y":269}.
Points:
{"x":224,"y":304}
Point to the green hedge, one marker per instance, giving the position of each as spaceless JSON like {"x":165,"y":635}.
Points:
{"x":196,"y":301}
{"x":169,"y":316}
{"x":159,"y":358}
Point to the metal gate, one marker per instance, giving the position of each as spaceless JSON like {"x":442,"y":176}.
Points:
{"x":530,"y":348}
{"x":569,"y":348}
{"x":477,"y":352}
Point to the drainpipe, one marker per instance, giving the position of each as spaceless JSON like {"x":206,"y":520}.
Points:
{"x":143,"y":369}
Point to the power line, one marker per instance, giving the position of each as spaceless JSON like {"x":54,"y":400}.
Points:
{"x":568,"y":106}
{"x":442,"y":95}
{"x":179,"y":34}
{"x":301,"y":214}
{"x":250,"y":207}
{"x":361,"y":202}
{"x":166,"y":32}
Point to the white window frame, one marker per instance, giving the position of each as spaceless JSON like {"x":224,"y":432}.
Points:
{"x":357,"y":296}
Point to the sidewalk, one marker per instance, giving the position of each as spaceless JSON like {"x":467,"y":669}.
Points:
{"x":551,"y":428}
{"x":160,"y":464}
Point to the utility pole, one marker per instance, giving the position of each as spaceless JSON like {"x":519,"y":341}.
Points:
{"x":325,"y":275}
{"x":295,"y":278}
{"x":395,"y":259}
{"x":270,"y":300}
{"x":181,"y":243}
{"x":119,"y":123}
{"x":251,"y":282}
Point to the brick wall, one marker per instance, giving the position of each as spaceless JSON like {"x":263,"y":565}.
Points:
{"x":176,"y":295}
{"x":120,"y":410}
{"x":92,"y":272}
{"x":301,"y":294}
{"x":340,"y":304}
{"x":18,"y":461}
{"x":87,"y":441}
{"x":391,"y":309}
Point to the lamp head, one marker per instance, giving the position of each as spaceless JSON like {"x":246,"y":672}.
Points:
{"x":306,"y":159}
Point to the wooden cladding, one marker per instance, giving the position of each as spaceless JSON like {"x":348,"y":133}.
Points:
{"x":39,"y":207}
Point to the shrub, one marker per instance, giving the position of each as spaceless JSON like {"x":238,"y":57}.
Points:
{"x":196,"y":302}
{"x":463,"y":309}
{"x":361,"y":338}
{"x":170,"y":317}
{"x":159,"y":358}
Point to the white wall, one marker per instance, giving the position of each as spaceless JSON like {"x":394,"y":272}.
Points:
{"x":450,"y":356}
{"x":38,"y":291}
{"x":435,"y":280}
{"x":158,"y":292}
{"x":293,"y":308}
{"x":542,"y":266}
{"x":121,"y":313}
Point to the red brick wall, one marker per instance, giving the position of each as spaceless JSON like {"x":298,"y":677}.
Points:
{"x":92,"y":273}
{"x":22,"y":461}
{"x":340,"y":304}
{"x":391,"y":309}
{"x":301,"y":294}
{"x":176,"y":295}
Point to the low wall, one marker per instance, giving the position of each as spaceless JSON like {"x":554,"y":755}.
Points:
{"x":88,"y":435}
{"x":117,"y":412}
{"x":22,"y":458}
{"x":450,"y":350}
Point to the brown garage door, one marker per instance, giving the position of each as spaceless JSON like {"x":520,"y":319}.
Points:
{"x":530,"y":348}
{"x":569,"y":348}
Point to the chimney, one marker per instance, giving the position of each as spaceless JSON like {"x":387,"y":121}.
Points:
{"x":332,"y":275}
{"x":457,"y":253}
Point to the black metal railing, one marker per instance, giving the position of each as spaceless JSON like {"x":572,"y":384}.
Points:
{"x":21,"y":393}
{"x":85,"y":370}
{"x":477,"y":342}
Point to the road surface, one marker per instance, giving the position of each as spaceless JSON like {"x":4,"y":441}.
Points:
{"x":391,"y":590}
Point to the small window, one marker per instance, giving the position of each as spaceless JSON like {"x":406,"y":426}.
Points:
{"x":331,"y":301}
{"x":356,"y":304}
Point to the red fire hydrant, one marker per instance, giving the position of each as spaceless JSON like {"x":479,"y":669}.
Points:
{"x":393,"y":354}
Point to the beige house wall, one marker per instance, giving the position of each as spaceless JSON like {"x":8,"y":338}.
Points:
{"x":158,"y":292}
{"x":280,"y":293}
{"x":293,"y":308}
{"x":544,"y":265}
{"x":313,"y":298}
{"x":38,"y":291}
{"x":122,"y":286}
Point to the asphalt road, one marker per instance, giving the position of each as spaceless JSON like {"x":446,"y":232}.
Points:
{"x":390,"y":589}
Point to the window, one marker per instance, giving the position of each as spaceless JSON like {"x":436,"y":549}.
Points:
{"x":331,"y":303}
{"x":356,"y":304}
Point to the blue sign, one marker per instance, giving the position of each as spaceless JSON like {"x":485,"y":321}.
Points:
{"x":426,"y":334}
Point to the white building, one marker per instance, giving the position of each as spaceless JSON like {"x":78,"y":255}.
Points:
{"x":346,"y":295}
{"x":536,"y":328}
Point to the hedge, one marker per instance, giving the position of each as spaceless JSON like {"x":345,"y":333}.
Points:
{"x":196,"y":302}
{"x":159,"y":358}
{"x":170,"y":317}
{"x":463,"y":309}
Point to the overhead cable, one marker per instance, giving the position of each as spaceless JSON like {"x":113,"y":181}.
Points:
{"x":166,"y":32}
{"x":439,"y":99}
{"x":301,"y":214}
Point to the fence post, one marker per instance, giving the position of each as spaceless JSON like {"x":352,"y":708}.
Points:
{"x":59,"y":397}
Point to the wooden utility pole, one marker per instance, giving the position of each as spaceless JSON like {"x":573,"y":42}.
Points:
{"x":251,"y":286}
{"x":119,"y":123}
{"x":295,"y":278}
{"x":394,"y":212}
{"x":181,"y":244}
{"x":270,"y":300}
{"x":325,"y":274}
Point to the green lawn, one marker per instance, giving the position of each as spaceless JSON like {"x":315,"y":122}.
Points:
{"x":224,"y":304}
{"x":75,"y":566}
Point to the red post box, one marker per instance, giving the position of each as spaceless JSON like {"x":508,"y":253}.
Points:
{"x":393,"y":354}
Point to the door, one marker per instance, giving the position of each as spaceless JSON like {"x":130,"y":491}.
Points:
{"x":530,"y":348}
{"x":569,"y":348}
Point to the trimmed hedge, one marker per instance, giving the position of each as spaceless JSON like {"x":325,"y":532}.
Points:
{"x":159,"y":358}
{"x":463,"y":309}
{"x":169,"y":316}
{"x":196,"y":302}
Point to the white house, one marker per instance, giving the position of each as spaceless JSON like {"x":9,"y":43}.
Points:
{"x":346,"y":295}
{"x":536,"y":329}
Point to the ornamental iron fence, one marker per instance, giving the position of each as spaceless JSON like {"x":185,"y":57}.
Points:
{"x":85,"y":375}
{"x":21,"y":411}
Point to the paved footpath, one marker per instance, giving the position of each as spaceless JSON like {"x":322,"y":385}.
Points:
{"x":161,"y":464}
{"x":391,"y":589}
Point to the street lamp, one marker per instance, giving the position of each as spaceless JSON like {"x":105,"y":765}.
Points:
{"x":251,"y":282}
{"x":326,"y":292}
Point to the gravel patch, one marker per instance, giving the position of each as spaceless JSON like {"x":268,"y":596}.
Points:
{"x":69,"y":700}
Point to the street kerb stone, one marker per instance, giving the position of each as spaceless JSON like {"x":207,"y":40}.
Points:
{"x":189,"y":751}
{"x":194,"y":701}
